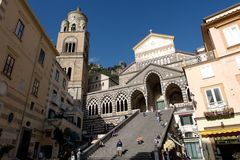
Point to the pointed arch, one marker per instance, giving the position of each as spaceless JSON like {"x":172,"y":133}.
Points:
{"x":106,"y":104}
{"x":92,"y":107}
{"x":121,"y":102}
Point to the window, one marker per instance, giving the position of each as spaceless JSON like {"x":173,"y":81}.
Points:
{"x":19,"y":29}
{"x":186,"y":120}
{"x":188,"y":135}
{"x":193,"y":150}
{"x":206,"y":71}
{"x":65,"y":29}
{"x":57,"y":75}
{"x":64,"y":83}
{"x":232,"y":35}
{"x":31,"y":106}
{"x":69,"y":73}
{"x":51,"y":114}
{"x":79,"y":122}
{"x":214,"y":97}
{"x":73,"y":28}
{"x":70,"y":47}
{"x":70,"y":119}
{"x":8,"y":67}
{"x":35,"y":87}
{"x":41,"y":57}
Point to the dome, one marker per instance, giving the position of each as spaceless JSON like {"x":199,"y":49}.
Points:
{"x":76,"y":14}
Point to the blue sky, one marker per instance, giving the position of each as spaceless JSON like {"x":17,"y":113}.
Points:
{"x":115,"y":26}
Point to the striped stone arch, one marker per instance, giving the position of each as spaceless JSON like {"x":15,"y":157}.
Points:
{"x":92,"y":107}
{"x":91,"y":98}
{"x":121,"y":101}
{"x":135,"y":89}
{"x":181,"y":86}
{"x":120,"y":92}
{"x":106,"y":104}
{"x":133,"y":101}
{"x":150,"y":72}
{"x":104,"y":96}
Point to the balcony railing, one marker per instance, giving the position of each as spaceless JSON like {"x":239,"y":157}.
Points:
{"x":56,"y":122}
{"x":54,"y":99}
{"x":224,"y":113}
{"x":206,"y":56}
{"x":180,"y":106}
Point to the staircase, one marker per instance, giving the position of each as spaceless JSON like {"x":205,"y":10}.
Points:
{"x":148,"y":127}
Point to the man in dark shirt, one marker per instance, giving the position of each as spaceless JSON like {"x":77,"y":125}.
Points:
{"x":119,"y":148}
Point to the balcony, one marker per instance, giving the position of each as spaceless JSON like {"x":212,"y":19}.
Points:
{"x":224,"y":113}
{"x":206,"y":56}
{"x":61,"y":123}
{"x":188,"y":106}
{"x":54,"y":99}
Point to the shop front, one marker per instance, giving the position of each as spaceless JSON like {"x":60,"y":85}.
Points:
{"x":225,"y":142}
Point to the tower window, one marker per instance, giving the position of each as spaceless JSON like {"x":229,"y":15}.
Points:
{"x":70,"y":47}
{"x":73,"y":28}
{"x":69,"y":72}
{"x":66,"y":47}
{"x":73,"y":47}
{"x":65,"y":29}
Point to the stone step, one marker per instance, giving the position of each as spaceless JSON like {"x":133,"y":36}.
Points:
{"x":148,"y":127}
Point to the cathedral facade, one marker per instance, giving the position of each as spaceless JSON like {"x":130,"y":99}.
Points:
{"x":154,"y":81}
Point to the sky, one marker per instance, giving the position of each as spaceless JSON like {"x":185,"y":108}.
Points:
{"x":116,"y":26}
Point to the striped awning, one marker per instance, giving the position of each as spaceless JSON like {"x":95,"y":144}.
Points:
{"x":221,"y":132}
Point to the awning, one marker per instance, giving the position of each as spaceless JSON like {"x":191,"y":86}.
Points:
{"x":221,"y":132}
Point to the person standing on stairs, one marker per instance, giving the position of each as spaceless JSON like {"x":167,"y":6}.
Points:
{"x":119,"y":148}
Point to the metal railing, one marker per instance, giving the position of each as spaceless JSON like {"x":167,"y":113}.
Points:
{"x":206,"y":56}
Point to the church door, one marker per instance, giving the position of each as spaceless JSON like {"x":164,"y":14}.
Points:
{"x":160,"y":105}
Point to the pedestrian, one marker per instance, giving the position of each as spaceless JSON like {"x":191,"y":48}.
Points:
{"x":101,"y":144}
{"x":144,"y":114}
{"x":72,"y":156}
{"x":78,"y":154}
{"x":114,"y":133}
{"x":157,"y":142}
{"x":166,"y":154}
{"x":139,"y":140}
{"x":119,"y":148}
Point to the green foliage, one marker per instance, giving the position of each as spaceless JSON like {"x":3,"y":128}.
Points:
{"x":5,"y":149}
{"x":109,"y":71}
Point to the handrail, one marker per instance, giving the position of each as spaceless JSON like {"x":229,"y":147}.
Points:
{"x":90,"y":150}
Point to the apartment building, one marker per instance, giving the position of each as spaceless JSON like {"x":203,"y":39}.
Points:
{"x":214,"y":78}
{"x":61,"y":116}
{"x":26,"y":60}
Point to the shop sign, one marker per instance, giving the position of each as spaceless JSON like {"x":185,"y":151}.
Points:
{"x":227,"y":140}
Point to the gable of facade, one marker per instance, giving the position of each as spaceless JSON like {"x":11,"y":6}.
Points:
{"x":161,"y":71}
{"x":153,"y":46}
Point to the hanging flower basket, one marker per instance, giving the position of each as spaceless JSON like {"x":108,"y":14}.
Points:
{"x":223,"y":114}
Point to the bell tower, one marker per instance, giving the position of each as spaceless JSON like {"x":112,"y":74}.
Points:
{"x":73,"y":46}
